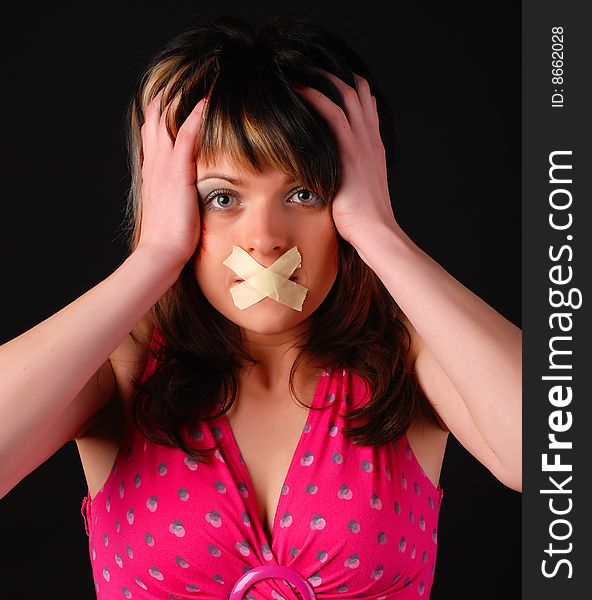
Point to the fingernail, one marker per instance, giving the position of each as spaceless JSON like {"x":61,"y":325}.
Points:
{"x":298,"y":85}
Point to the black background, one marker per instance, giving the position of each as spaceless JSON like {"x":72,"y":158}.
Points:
{"x":452,"y":77}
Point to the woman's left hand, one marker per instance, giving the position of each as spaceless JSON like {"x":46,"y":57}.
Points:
{"x":362,"y":201}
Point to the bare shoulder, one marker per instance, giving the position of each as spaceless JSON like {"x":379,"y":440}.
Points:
{"x":424,"y":409}
{"x":427,"y":433}
{"x":416,"y":341}
{"x":428,"y":442}
{"x":100,"y":441}
{"x":127,"y":362}
{"x":129,"y":358}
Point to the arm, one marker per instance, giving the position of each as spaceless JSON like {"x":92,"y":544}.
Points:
{"x":56,"y":375}
{"x":470,"y":357}
{"x":469,"y":362}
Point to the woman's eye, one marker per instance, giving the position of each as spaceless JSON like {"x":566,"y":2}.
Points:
{"x":219,"y":200}
{"x":224,"y":199}
{"x":305,"y":197}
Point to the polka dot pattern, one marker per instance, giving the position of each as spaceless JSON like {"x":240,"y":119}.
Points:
{"x":356,"y":522}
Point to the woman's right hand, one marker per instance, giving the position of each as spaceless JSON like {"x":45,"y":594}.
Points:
{"x":170,"y":221}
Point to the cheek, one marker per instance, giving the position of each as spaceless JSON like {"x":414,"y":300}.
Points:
{"x":325,"y":262}
{"x":208,"y":267}
{"x":330,"y":249}
{"x":213,"y":243}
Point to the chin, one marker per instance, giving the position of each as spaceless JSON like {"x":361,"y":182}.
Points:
{"x":268,"y":317}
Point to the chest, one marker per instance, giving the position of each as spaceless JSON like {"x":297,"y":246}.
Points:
{"x":267,"y":440}
{"x":352,"y":511}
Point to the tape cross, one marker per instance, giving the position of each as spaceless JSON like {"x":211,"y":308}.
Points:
{"x":266,"y":282}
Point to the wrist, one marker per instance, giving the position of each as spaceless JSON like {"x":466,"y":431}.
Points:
{"x":166,"y":263}
{"x":370,"y":239}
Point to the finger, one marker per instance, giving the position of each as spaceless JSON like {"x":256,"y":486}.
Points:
{"x":149,"y":129}
{"x":164,"y":141}
{"x":331,"y":113}
{"x":185,"y":144}
{"x":377,"y":142}
{"x":367,"y":101}
{"x":353,"y":106}
{"x":151,"y":119}
{"x":370,"y":111}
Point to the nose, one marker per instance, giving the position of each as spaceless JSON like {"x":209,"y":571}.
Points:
{"x":265,"y":233}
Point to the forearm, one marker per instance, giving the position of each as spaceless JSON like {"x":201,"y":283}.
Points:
{"x":44,"y":368}
{"x":479,"y":350}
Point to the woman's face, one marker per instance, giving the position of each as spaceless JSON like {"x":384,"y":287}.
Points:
{"x":266,"y":216}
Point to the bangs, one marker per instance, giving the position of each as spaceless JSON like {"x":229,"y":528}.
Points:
{"x":258,"y":122}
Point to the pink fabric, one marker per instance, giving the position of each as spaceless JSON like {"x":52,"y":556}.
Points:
{"x":354,"y":522}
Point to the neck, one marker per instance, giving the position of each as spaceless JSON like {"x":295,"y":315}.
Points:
{"x":275,"y":354}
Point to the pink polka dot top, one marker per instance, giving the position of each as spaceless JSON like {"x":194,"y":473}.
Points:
{"x":351,"y":521}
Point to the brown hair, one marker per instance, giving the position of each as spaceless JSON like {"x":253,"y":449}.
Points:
{"x":255,"y":117}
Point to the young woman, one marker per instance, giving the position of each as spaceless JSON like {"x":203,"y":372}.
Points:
{"x":274,"y":425}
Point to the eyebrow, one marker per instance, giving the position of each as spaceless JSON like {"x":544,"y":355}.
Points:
{"x":232,"y":180}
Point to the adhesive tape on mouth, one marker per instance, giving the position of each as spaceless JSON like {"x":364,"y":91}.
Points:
{"x":266,"y":282}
